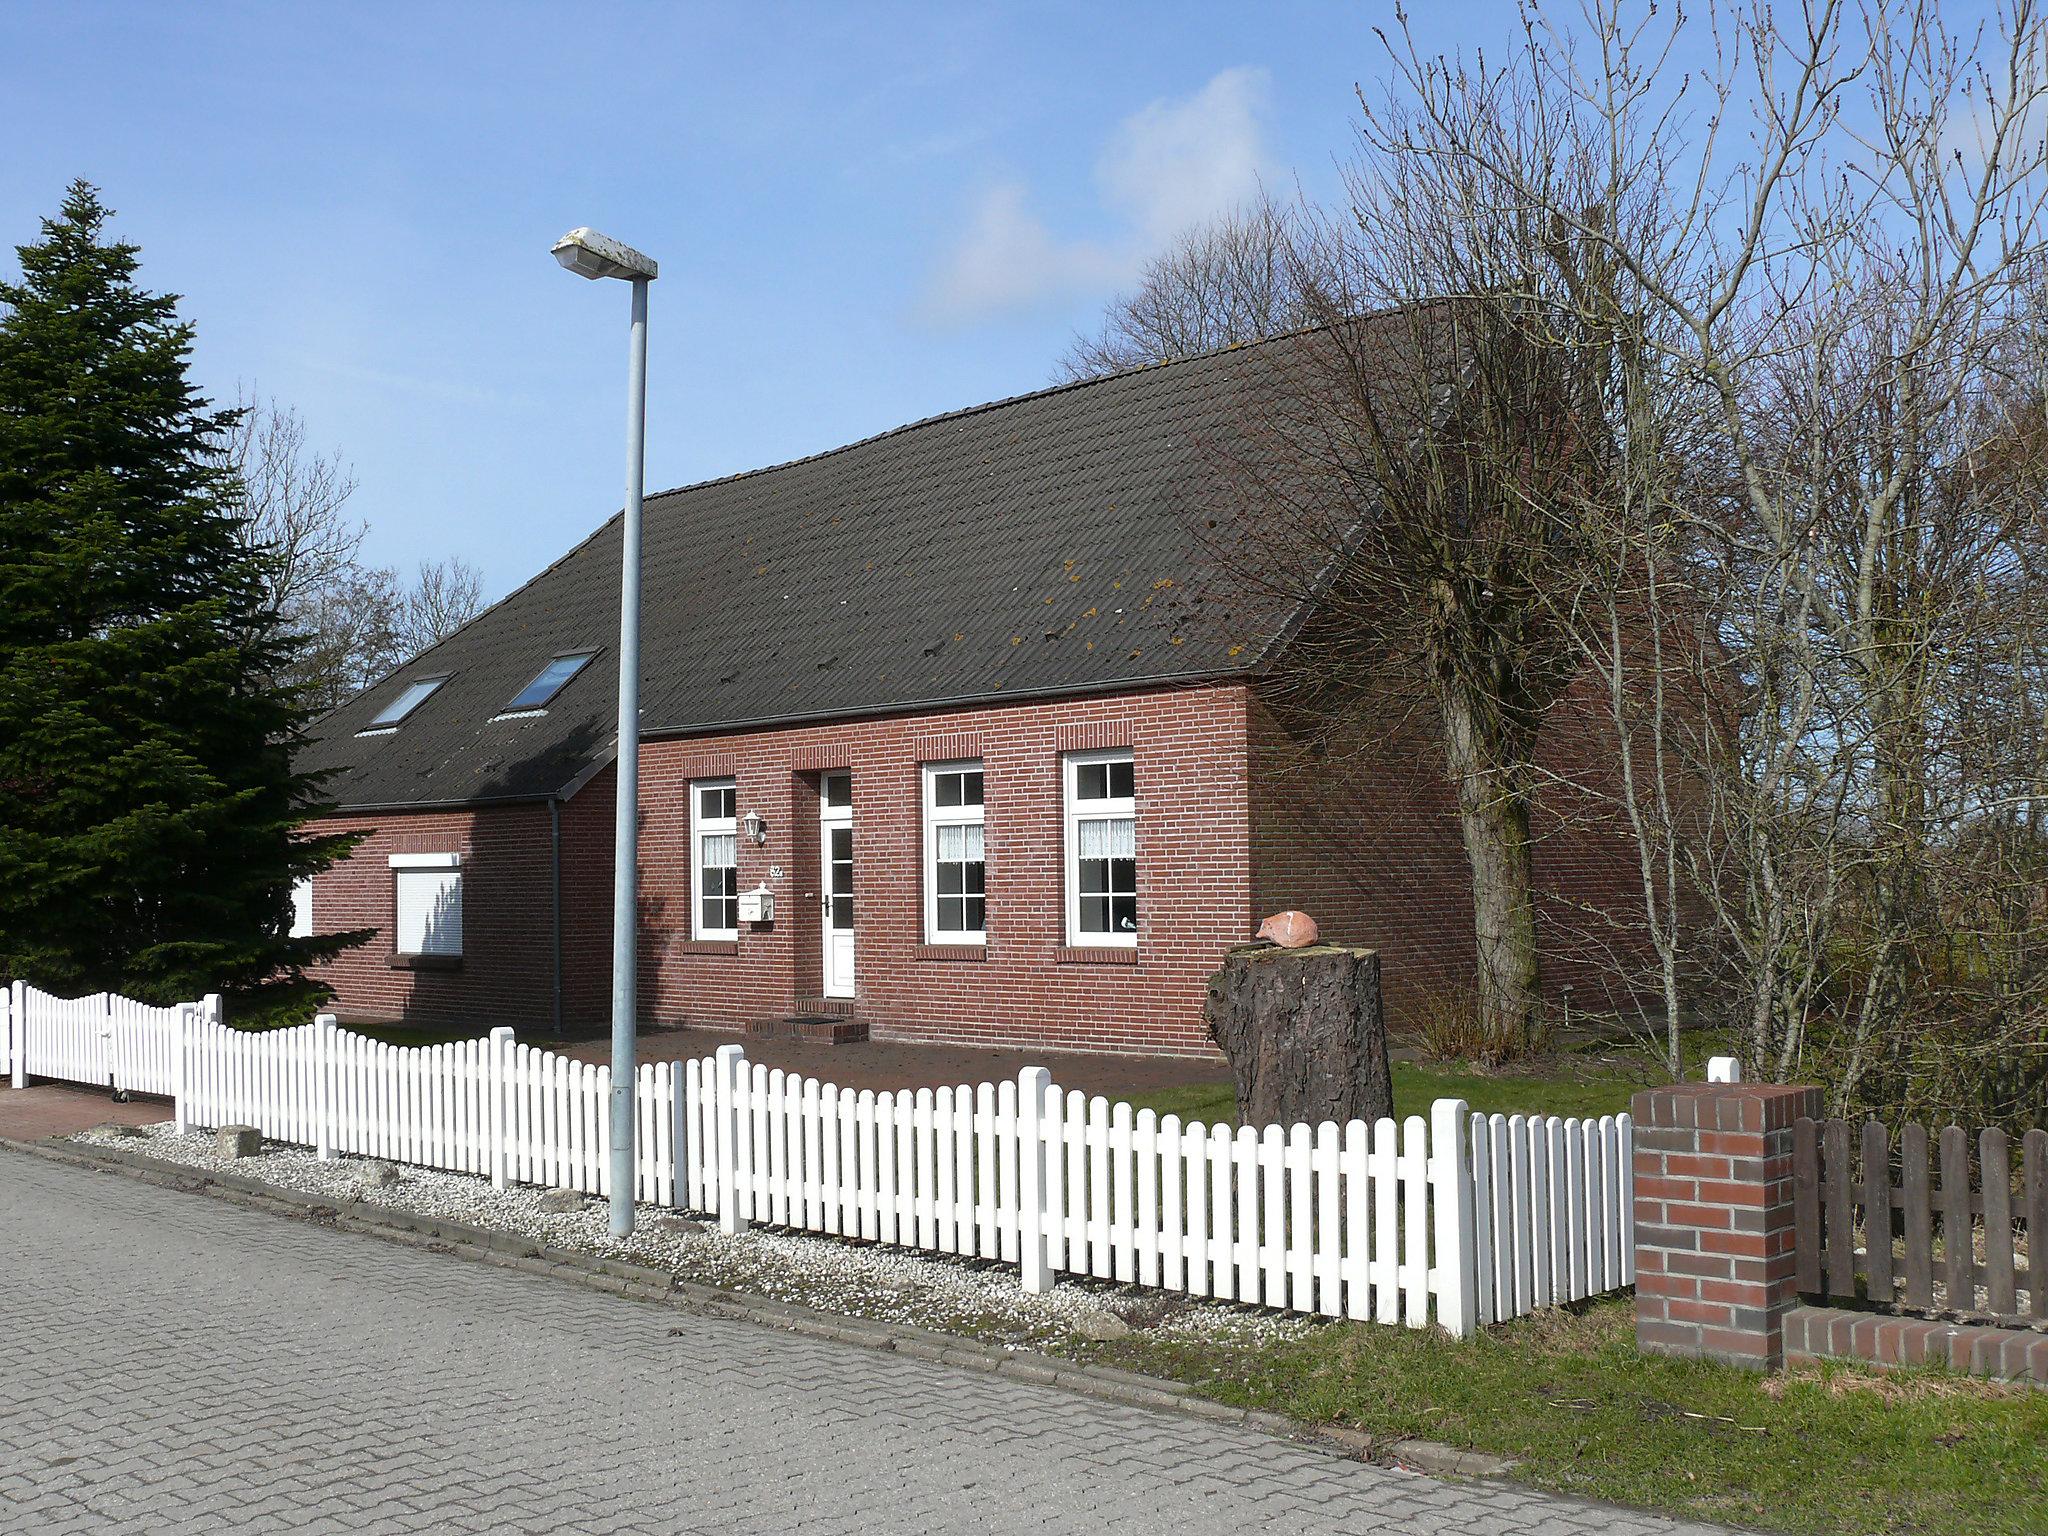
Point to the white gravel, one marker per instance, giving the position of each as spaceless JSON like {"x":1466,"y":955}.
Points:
{"x":856,"y":1279}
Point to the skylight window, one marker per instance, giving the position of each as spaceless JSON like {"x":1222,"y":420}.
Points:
{"x":552,"y":679}
{"x":414,"y":695}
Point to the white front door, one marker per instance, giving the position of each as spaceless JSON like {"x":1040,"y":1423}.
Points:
{"x":835,"y":864}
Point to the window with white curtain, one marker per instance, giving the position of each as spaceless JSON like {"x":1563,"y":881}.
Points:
{"x":956,"y":865}
{"x":1102,"y":848}
{"x":302,"y":907}
{"x":429,"y":903}
{"x":714,"y":859}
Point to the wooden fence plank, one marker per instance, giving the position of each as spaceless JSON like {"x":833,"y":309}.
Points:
{"x":1329,"y":1223}
{"x":1166,"y":1140}
{"x":1958,"y":1242}
{"x":1918,"y":1199}
{"x":1877,"y":1209}
{"x":1222,"y":1251}
{"x":1806,"y":1203}
{"x":1194,"y":1151}
{"x":1994,"y":1160}
{"x":2035,"y":1156}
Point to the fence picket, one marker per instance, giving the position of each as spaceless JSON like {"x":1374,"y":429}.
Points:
{"x":1004,"y":1130}
{"x":1146,"y":1212}
{"x":2034,"y":1156}
{"x":1080,"y":1251}
{"x":1994,"y":1161}
{"x":1877,"y":1207}
{"x":1357,"y":1269}
{"x":885,"y":1167}
{"x":1167,"y":1143}
{"x":1329,"y":1227}
{"x":1194,"y":1167}
{"x":1414,"y":1167}
{"x":1300,"y":1232}
{"x":1959,"y":1248}
{"x":1056,"y":1203}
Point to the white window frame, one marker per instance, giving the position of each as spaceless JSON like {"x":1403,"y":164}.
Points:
{"x":402,"y":864}
{"x":701,"y":827}
{"x":412,"y":695}
{"x":937,"y":816}
{"x":1078,"y":811}
{"x":514,"y":710}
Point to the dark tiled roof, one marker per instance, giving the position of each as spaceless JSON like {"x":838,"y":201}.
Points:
{"x":1037,"y":546}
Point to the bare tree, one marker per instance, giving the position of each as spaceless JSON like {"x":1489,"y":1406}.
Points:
{"x":1841,"y":278}
{"x":445,"y":595}
{"x":294,"y":501}
{"x":293,"y":498}
{"x":1441,"y":423}
{"x":350,"y":623}
{"x":1251,"y":274}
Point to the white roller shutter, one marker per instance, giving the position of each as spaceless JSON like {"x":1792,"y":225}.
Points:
{"x":429,"y":904}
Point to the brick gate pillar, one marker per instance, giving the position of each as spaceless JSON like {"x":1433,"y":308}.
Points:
{"x":1713,"y":1218}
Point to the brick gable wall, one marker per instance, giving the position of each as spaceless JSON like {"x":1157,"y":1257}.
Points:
{"x":1361,"y":832}
{"x":507,"y":962}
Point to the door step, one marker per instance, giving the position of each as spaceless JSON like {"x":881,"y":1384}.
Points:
{"x":818,"y":1028}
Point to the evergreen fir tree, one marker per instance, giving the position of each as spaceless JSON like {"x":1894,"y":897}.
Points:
{"x":149,"y":811}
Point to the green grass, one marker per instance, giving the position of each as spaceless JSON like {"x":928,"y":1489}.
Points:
{"x":1831,"y":1449}
{"x":1577,"y":1088}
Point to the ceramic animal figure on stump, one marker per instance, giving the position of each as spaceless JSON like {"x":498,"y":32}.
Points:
{"x":1303,"y":1031}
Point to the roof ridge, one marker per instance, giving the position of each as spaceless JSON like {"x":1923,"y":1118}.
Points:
{"x":1045,"y":392}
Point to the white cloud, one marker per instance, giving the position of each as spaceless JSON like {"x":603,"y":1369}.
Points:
{"x":1008,"y":259}
{"x":1178,"y":163}
{"x":1173,"y":164}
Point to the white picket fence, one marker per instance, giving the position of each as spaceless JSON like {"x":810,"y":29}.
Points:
{"x":490,"y":1106}
{"x":104,"y":1040}
{"x":1458,"y":1219}
{"x":1554,"y":1205}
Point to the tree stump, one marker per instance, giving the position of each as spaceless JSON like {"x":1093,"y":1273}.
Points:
{"x":1304,"y":1033}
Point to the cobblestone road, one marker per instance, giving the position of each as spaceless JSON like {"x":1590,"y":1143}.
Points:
{"x":170,"y":1363}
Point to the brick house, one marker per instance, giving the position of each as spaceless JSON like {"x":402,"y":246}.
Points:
{"x":954,"y":734}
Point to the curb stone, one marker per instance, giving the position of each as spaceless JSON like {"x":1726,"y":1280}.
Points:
{"x":643,"y":1282}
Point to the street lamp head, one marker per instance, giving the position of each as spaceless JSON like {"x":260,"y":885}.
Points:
{"x":589,"y":254}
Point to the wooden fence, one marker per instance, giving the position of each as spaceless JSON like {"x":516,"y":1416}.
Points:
{"x":1880,"y":1223}
{"x":511,"y":1112}
{"x":103,"y":1040}
{"x":1455,"y":1219}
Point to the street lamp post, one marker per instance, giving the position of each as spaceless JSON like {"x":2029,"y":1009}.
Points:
{"x":589,"y":254}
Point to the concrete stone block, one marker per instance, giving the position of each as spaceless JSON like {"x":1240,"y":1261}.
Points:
{"x":238,"y":1141}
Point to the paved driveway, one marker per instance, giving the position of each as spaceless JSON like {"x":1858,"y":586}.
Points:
{"x":64,"y":1109}
{"x":171,"y":1363}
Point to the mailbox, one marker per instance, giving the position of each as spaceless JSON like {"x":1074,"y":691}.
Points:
{"x":757,"y":905}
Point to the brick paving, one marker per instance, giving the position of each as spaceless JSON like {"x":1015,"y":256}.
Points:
{"x":58,"y":1109}
{"x":176,"y":1364}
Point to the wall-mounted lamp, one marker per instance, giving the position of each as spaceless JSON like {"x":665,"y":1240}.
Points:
{"x":756,"y":827}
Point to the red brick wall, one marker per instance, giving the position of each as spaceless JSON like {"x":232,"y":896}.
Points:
{"x":1366,"y":841}
{"x":588,"y":822}
{"x":1716,"y":1263}
{"x":1023,"y":987}
{"x":1362,"y":833}
{"x":507,"y":961}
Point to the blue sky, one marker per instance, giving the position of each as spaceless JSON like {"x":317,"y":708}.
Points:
{"x":865,"y":214}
